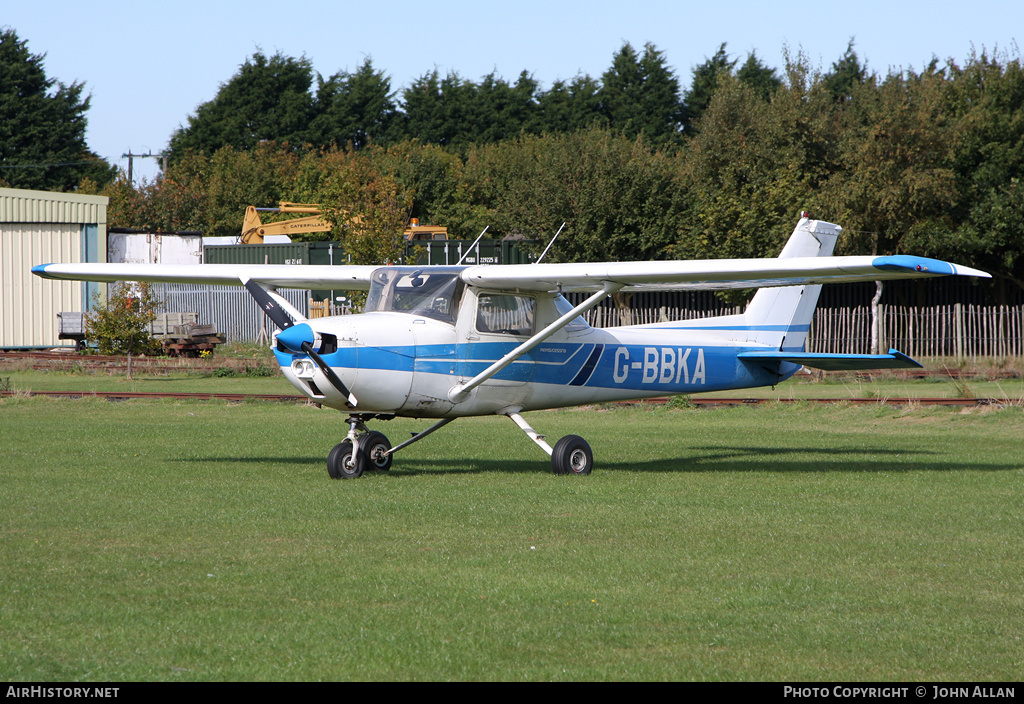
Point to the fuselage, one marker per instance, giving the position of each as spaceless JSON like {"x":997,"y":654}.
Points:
{"x":404,"y":358}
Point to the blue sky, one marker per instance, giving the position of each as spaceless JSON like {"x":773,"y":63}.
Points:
{"x":148,"y":65}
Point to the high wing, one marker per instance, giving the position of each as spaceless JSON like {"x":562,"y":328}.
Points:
{"x":710,"y":274}
{"x":348,"y":277}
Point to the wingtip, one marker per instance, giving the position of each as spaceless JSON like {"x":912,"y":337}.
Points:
{"x":924,"y":265}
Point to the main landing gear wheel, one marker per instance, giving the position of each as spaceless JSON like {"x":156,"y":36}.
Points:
{"x":572,"y":455}
{"x":342,"y":463}
{"x":373,"y":447}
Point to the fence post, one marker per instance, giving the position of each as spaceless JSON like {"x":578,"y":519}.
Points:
{"x":958,"y":331}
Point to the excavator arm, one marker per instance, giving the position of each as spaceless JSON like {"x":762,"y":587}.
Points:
{"x":253,"y":229}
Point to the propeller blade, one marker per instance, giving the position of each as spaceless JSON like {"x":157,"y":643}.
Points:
{"x":269,"y":305}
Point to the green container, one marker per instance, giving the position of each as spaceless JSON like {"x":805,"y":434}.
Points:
{"x":287,"y":253}
{"x":423,"y":252}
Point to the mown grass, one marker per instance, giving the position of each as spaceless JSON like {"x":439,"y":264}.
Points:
{"x":204,"y":541}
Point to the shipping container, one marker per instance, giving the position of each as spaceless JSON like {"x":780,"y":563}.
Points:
{"x":138,"y":247}
{"x":288,"y":253}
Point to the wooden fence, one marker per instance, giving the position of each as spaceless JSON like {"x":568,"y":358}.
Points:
{"x":963,"y":331}
{"x":955,"y":330}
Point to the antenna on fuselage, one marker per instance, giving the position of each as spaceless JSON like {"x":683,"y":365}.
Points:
{"x":549,"y":244}
{"x":466,"y":253}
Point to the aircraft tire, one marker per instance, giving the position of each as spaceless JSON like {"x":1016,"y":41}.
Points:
{"x":372,"y":447}
{"x":342,"y":464}
{"x":572,"y":455}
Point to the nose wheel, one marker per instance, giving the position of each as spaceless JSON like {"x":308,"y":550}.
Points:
{"x":362,"y":450}
{"x":343,"y":463}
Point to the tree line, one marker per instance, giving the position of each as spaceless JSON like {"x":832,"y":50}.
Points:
{"x":283,"y":99}
{"x":925,"y":162}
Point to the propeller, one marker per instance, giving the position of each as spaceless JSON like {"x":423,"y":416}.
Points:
{"x":296,"y":337}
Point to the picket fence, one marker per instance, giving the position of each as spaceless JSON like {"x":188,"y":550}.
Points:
{"x":963,"y":331}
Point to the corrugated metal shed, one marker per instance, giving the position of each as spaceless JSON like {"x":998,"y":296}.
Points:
{"x":39,"y":227}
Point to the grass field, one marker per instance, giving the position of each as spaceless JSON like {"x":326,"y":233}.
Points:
{"x":159,"y":540}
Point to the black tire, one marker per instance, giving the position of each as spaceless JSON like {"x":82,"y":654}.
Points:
{"x":572,"y":455}
{"x":372,"y":447}
{"x":342,"y":463}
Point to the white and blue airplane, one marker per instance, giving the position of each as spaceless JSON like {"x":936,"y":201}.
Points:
{"x":444,"y":342}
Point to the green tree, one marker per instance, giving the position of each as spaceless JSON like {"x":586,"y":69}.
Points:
{"x":751,"y":167}
{"x":233,"y":179}
{"x":176,"y":201}
{"x":762,"y":79}
{"x":352,"y":108}
{"x":568,"y":107}
{"x":122,"y":325}
{"x":367,"y":207}
{"x":435,"y":180}
{"x":846,"y":73}
{"x":42,"y":125}
{"x":501,"y":110}
{"x":895,"y":149}
{"x":640,"y":95}
{"x":616,"y":196}
{"x":438,"y":111}
{"x":703,"y":86}
{"x":267,"y":99}
{"x":986,"y":98}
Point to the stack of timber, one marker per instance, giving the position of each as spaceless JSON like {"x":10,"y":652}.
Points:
{"x":182,"y":335}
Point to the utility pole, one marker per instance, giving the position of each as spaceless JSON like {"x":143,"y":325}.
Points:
{"x":131,"y":162}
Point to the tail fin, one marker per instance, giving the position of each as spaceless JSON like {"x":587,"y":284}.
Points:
{"x":780,"y":317}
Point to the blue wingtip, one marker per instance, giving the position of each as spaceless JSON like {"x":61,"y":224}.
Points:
{"x":40,"y":270}
{"x":906,"y":262}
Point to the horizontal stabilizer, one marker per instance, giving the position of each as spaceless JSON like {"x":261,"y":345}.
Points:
{"x":834,"y":362}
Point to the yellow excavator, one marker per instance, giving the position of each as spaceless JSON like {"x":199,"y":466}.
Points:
{"x":253,"y":229}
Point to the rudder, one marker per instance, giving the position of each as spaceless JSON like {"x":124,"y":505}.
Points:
{"x":780,"y":317}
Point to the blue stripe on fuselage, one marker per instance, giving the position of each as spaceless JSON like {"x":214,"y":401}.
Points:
{"x":657,"y":368}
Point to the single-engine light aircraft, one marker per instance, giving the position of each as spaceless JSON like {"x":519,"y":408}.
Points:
{"x":444,"y":342}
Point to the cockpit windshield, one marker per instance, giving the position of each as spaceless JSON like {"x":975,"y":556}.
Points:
{"x":417,"y":292}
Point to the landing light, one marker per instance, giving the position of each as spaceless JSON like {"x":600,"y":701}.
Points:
{"x":304,"y":368}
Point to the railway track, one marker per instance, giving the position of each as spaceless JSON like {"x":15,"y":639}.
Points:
{"x":68,"y":361}
{"x":706,"y":401}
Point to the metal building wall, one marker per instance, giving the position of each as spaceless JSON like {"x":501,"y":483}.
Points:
{"x":38,"y":227}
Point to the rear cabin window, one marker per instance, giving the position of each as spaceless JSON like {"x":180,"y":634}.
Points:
{"x":506,"y":314}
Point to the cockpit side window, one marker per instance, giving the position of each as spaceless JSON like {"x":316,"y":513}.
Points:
{"x":506,"y":314}
{"x":431,"y":295}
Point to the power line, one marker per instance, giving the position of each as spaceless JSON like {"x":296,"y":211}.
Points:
{"x":50,"y":164}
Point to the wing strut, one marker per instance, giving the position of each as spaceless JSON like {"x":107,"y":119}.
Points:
{"x":459,"y":392}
